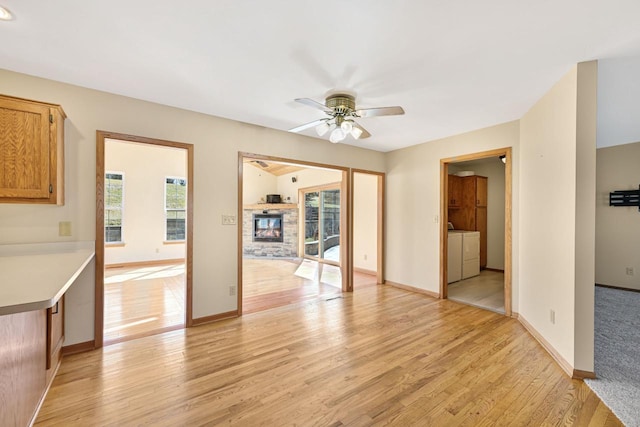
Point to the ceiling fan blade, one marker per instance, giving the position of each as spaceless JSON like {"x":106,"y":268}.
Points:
{"x":365,"y":133}
{"x":314,"y":104}
{"x":307,"y":125}
{"x":261,"y":163}
{"x":382,"y":111}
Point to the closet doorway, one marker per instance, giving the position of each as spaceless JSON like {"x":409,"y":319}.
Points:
{"x":465,"y":274}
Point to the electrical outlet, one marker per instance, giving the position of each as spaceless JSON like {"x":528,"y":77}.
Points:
{"x":552,"y":317}
{"x":232,"y":290}
{"x":64,"y":228}
{"x":228,"y":219}
{"x":629,"y":271}
{"x":436,"y":219}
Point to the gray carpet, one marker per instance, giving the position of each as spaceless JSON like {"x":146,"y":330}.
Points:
{"x":617,"y":352}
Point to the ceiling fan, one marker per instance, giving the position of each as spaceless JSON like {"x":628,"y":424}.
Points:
{"x":341,"y":110}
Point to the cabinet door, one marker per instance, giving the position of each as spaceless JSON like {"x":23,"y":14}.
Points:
{"x":24,"y":150}
{"x":481,"y":191}
{"x":454,"y":191}
{"x":31,"y":151}
{"x":469,"y":192}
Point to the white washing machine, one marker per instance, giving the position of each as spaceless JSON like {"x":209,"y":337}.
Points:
{"x":463,"y":255}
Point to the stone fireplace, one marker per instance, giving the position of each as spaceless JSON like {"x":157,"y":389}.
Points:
{"x":270,"y":230}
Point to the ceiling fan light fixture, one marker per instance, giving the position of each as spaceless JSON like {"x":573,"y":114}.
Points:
{"x":322,"y":128}
{"x":356,"y":133}
{"x":346,"y":126}
{"x":5,"y":15}
{"x":337,"y":135}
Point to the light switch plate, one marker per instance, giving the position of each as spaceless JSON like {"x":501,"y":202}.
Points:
{"x":228,"y":219}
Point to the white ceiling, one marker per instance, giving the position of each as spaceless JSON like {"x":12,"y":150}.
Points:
{"x":454,"y":66}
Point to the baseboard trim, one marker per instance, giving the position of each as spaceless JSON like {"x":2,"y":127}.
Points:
{"x":515,"y":315}
{"x":145,"y":263}
{"x":620,"y":288}
{"x":80,"y":347}
{"x":412,"y":289}
{"x":215,"y":318}
{"x":497,"y":270}
{"x":581,"y":375}
{"x":364,"y":271}
{"x":564,"y":365}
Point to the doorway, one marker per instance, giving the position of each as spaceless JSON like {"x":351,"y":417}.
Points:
{"x":144,"y":232}
{"x":293,"y":232}
{"x":324,"y":253}
{"x":479,"y":283}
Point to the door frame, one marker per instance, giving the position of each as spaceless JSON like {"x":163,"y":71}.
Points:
{"x":101,"y":136}
{"x":345,"y":214}
{"x":508,"y":203}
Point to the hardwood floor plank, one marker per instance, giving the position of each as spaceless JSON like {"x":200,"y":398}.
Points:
{"x":380,"y":356}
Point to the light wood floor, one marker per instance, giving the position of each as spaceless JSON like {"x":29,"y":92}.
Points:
{"x":270,"y":283}
{"x":377,"y":356}
{"x":484,"y":291}
{"x":139,"y":301}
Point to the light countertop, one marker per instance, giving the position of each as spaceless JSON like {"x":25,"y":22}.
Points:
{"x":35,"y":276}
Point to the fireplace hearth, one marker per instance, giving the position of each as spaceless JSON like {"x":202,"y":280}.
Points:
{"x":268,"y":228}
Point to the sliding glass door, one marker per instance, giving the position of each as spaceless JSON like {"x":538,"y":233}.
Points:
{"x":322,"y":225}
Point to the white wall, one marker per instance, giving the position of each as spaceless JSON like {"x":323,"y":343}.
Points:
{"x":617,"y":228}
{"x":216,"y":143}
{"x":413,"y":201}
{"x":618,"y":106}
{"x":365,"y":221}
{"x":145,"y":169}
{"x":257,"y":184}
{"x":556,"y":254}
{"x":586,"y":137}
{"x":494,"y":170}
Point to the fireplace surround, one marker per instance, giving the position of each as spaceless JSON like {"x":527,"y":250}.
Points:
{"x":287,"y":247}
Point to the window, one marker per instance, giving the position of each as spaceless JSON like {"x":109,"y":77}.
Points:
{"x":113,"y":204}
{"x":175,"y":203}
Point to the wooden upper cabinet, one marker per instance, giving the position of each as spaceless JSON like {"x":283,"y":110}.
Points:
{"x":454,"y":192}
{"x":31,"y":151}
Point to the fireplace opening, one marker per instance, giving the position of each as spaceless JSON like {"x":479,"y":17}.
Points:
{"x":267,"y":228}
